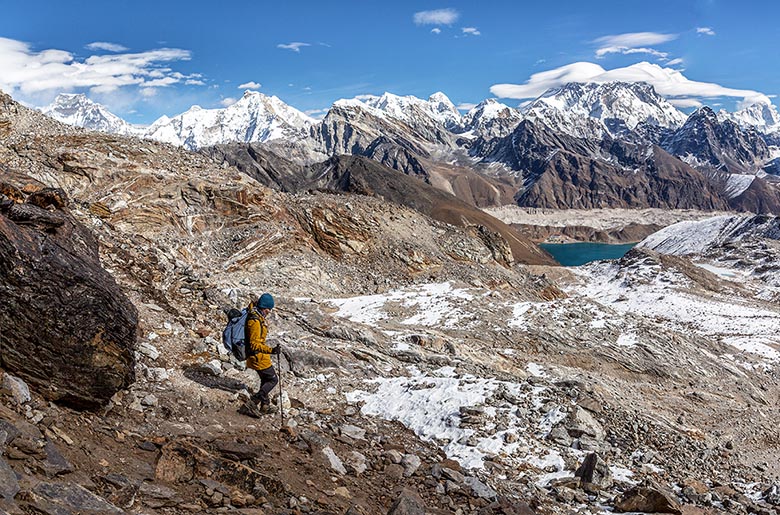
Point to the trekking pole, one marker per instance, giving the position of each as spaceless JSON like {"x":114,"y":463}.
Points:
{"x":281,"y":392}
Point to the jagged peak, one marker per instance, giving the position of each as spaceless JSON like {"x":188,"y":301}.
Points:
{"x":72,"y":96}
{"x":703,"y":113}
{"x":440,"y":98}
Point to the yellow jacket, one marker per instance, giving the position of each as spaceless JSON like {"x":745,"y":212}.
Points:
{"x":257,"y":331}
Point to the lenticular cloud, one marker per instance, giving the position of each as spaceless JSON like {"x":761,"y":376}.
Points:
{"x":666,"y":81}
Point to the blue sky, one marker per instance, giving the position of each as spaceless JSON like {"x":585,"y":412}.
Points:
{"x":147,"y":58}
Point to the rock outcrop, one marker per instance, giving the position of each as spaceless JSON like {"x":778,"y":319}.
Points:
{"x":65,"y":327}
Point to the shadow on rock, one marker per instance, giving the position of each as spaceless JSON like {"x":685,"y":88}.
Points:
{"x":205,"y":378}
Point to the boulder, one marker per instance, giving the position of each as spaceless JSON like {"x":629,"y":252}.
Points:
{"x":334,"y":461}
{"x":354,"y":432}
{"x":8,"y":432}
{"x":594,"y":473}
{"x":305,"y":362}
{"x":356,"y":463}
{"x":20,"y":393}
{"x":66,"y":328}
{"x":480,"y":489}
{"x":580,"y":423}
{"x":648,"y":500}
{"x":410,"y":463}
{"x":70,"y":498}
{"x":408,"y":502}
{"x":55,"y":463}
{"x":9,"y":485}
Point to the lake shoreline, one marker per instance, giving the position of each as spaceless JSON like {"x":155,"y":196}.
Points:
{"x":580,"y":253}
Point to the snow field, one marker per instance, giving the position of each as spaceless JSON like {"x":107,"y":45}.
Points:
{"x":437,"y":406}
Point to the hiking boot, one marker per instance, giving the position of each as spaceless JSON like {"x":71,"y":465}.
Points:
{"x":251,"y":409}
{"x":266,"y":408}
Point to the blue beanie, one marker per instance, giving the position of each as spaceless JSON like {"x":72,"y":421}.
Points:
{"x":265,"y":301}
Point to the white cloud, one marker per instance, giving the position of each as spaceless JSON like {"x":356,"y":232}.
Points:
{"x":436,"y":17}
{"x":683,"y":103}
{"x":317,"y":114}
{"x":29,"y":73}
{"x":675,"y":61}
{"x":229,"y":101}
{"x":194,"y":82}
{"x":471,"y":31}
{"x":707,"y":31}
{"x":148,"y":92}
{"x":295,"y":46}
{"x":601,"y":52}
{"x":667,"y":82}
{"x":110,"y":47}
{"x":636,"y":39}
{"x":250,"y":85}
{"x":465,"y":106}
{"x":632,"y":43}
{"x":436,"y":30}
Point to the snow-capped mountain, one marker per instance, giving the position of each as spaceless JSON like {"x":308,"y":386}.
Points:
{"x":254,"y":118}
{"x":414,"y":111}
{"x":761,"y":116}
{"x":593,"y":110}
{"x":77,"y":109}
{"x":705,"y":142}
{"x":491,"y":119}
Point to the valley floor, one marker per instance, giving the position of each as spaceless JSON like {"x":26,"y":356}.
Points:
{"x":582,"y":224}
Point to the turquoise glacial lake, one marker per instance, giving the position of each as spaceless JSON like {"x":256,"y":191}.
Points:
{"x":575,"y":254}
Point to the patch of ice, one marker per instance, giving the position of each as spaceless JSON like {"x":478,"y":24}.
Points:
{"x":552,"y":460}
{"x":598,"y":323}
{"x":433,"y":305}
{"x":627,"y":340}
{"x":536,"y":370}
{"x":518,"y":311}
{"x":621,"y":474}
{"x":445,"y":372}
{"x":545,"y":480}
{"x":726,"y":273}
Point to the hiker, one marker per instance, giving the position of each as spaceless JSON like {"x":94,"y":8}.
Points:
{"x":260,"y":358}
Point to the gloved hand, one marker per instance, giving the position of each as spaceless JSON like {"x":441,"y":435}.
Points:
{"x":276,"y":350}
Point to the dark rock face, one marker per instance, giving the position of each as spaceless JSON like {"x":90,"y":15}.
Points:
{"x":721,"y":146}
{"x":562,"y":171}
{"x":759,"y":197}
{"x":266,"y":167}
{"x":65,"y":328}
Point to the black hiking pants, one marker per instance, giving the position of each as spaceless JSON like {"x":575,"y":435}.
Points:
{"x":268,"y":379}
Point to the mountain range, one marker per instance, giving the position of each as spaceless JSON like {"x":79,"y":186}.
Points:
{"x":580,"y":145}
